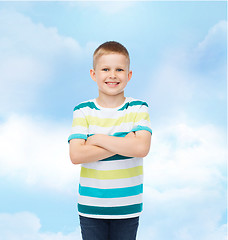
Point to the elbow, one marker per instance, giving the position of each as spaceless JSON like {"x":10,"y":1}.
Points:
{"x":75,"y":159}
{"x":145,"y":153}
{"x":142,"y":151}
{"x":141,"y":154}
{"x":76,"y":153}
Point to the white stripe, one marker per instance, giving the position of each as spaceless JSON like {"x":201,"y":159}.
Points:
{"x":79,"y":130}
{"x":115,"y":164}
{"x":123,"y":127}
{"x":78,"y":114}
{"x":110,"y":202}
{"x":143,"y":122}
{"x":111,"y":216}
{"x":111,"y":183}
{"x":109,"y":114}
{"x":142,"y":108}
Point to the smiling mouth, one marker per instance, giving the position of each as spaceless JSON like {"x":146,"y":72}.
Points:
{"x":112,"y":83}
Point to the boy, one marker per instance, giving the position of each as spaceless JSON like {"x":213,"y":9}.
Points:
{"x":110,"y":136}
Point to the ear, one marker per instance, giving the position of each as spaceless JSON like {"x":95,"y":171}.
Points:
{"x":93,"y":74}
{"x":129,"y":75}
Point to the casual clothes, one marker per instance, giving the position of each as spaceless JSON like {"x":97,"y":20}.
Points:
{"x":111,"y":188}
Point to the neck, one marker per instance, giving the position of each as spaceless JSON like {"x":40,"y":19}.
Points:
{"x":110,"y":101}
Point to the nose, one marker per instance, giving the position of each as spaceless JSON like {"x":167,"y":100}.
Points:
{"x":112,"y":74}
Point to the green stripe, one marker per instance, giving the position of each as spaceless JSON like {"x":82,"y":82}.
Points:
{"x":86,"y":104}
{"x":121,"y":210}
{"x":111,"y":174}
{"x":110,"y":193}
{"x":116,"y":157}
{"x":133,"y":103}
{"x":93,"y":106}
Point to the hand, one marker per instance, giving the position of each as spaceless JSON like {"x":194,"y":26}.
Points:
{"x":90,"y":140}
{"x":130,"y":134}
{"x":95,"y":139}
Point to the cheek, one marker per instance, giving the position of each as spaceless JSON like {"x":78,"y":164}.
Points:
{"x":102,"y":75}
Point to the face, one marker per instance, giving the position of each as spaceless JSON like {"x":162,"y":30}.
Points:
{"x":111,"y":74}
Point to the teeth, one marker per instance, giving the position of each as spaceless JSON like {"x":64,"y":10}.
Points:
{"x":112,"y":83}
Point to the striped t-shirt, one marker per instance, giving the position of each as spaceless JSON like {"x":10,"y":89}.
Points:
{"x":112,"y":187}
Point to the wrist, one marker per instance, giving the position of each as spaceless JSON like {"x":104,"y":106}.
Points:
{"x":94,"y":139}
{"x":97,"y":139}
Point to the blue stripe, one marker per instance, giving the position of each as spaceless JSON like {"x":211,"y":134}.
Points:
{"x":120,"y":134}
{"x":93,"y":106}
{"x":80,"y":136}
{"x":139,"y":128}
{"x":117,"y":134}
{"x":133,"y":103}
{"x":121,"y":210}
{"x":86,"y":104}
{"x":110,"y":193}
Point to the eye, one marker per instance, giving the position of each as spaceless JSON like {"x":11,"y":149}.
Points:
{"x":105,"y":69}
{"x":119,"y":70}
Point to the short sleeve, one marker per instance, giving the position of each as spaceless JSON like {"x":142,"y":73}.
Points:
{"x":142,"y":119}
{"x":80,"y":126}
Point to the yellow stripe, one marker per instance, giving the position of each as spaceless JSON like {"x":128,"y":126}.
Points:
{"x":111,"y":174}
{"x":109,"y":122}
{"x":80,"y":122}
{"x":142,"y":116}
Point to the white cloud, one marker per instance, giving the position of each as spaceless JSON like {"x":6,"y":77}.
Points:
{"x":211,"y":52}
{"x":171,"y":88}
{"x":193,"y":154}
{"x":26,"y":226}
{"x":185,"y":184}
{"x":30,"y":55}
{"x":185,"y":171}
{"x":215,"y":36}
{"x":35,"y":152}
{"x":36,"y":37}
{"x":189,"y":82}
{"x":172,"y":84}
{"x":184,"y":190}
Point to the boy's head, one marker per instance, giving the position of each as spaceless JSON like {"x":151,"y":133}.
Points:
{"x":111,"y":69}
{"x":107,"y":48}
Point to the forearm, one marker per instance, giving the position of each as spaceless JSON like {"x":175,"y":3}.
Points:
{"x":86,"y":153}
{"x":126,"y":146}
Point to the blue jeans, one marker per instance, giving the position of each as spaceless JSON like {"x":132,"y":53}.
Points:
{"x":109,"y":229}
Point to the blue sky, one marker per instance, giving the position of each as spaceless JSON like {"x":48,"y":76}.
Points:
{"x":178,"y":56}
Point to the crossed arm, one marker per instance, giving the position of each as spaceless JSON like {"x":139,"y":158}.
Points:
{"x":100,"y":146}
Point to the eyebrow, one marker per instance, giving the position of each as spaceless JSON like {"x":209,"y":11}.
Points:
{"x":118,"y":66}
